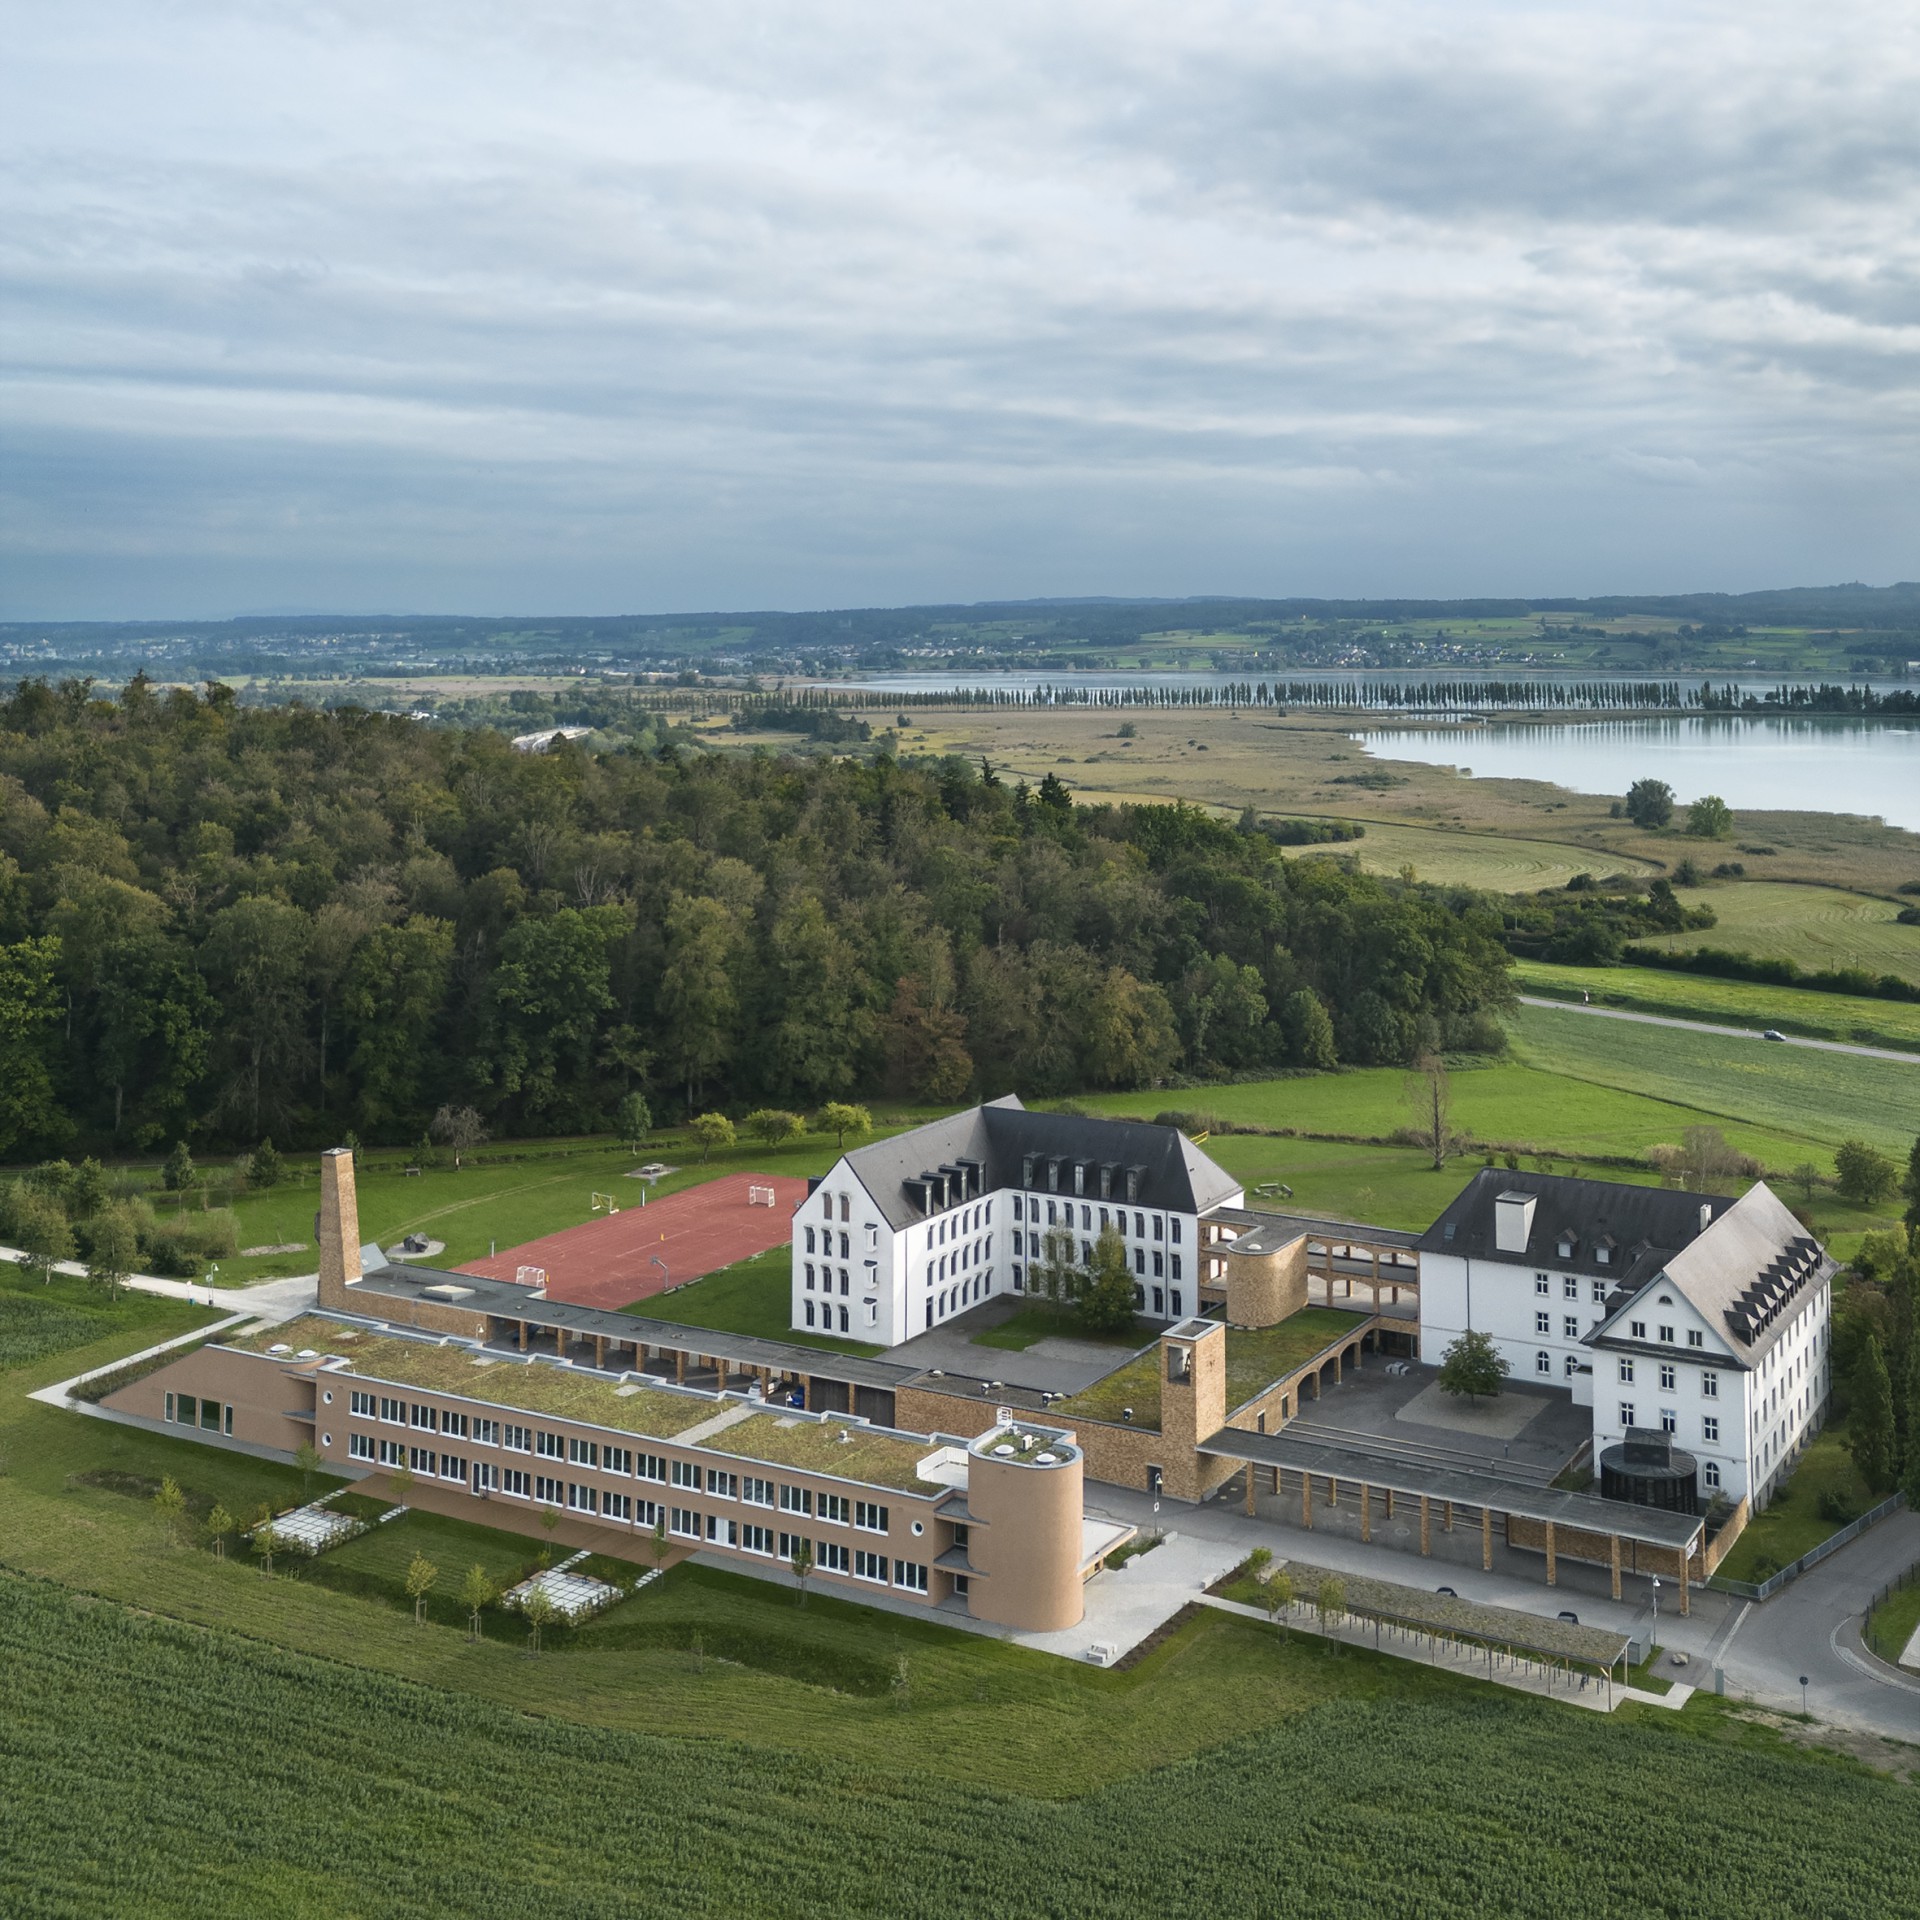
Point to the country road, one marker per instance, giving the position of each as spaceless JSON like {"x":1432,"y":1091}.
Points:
{"x":1736,"y":1033}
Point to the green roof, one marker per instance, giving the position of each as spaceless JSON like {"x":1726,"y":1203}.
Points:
{"x":815,"y":1446}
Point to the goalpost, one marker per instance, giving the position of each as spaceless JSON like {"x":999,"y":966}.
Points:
{"x":760,"y":1197}
{"x":603,"y":1203}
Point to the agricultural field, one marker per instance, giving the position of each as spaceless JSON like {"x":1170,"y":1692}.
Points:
{"x":242,"y":1785}
{"x":1499,"y":863}
{"x":1818,"y":928}
{"x":1736,"y":1003}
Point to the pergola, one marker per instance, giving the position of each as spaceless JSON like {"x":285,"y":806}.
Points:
{"x":1670,"y":1538}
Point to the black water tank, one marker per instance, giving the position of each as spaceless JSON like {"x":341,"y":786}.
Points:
{"x":1648,"y":1470}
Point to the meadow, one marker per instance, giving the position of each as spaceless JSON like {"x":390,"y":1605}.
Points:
{"x":1818,"y":928}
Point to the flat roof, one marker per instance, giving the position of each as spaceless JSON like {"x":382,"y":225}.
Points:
{"x":506,"y":1301}
{"x":1278,"y":1226}
{"x":1649,"y":1526}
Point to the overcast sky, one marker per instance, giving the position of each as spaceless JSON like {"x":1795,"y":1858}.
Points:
{"x":597,"y":307}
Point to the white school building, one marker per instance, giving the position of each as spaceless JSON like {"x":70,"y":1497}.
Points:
{"x":901,"y":1236}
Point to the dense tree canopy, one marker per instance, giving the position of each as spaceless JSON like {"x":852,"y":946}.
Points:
{"x":243,"y":921}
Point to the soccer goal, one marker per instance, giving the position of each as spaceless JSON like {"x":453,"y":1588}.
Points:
{"x":760,"y":1196}
{"x":535,"y":1277}
{"x":604,"y":1203}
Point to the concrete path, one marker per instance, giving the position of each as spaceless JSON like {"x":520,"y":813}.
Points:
{"x":1704,"y":1026}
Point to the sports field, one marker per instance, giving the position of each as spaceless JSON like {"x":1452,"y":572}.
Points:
{"x":642,"y":1250}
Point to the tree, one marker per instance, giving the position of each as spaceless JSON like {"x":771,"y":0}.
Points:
{"x":401,"y":1480}
{"x":263,"y":1165}
{"x":177,"y":1175}
{"x":1259,"y":1563}
{"x":255,"y":953}
{"x":549,"y":1520}
{"x":1330,"y":1602}
{"x":1106,"y":1296}
{"x":171,"y":1505}
{"x":549,"y":989}
{"x":41,"y":1231}
{"x":1056,"y":1275}
{"x":1710,"y":818}
{"x":1650,"y":804}
{"x":776,"y":1126}
{"x":634,"y":1122}
{"x":308,"y":1459}
{"x":1863,"y":1174}
{"x":115,"y":1237}
{"x":1910,"y":1186}
{"x":711,"y":1130}
{"x":87,"y":1191}
{"x":657,"y":1541}
{"x":219,"y":1523}
{"x":1473,"y":1368}
{"x":698,"y":1004}
{"x":802,"y":1565}
{"x":1309,"y":1031}
{"x":1430,"y":1094}
{"x":458,"y":1128}
{"x":30,"y":1110}
{"x":1277,"y":1592}
{"x":265,"y":1541}
{"x":422,"y":1575}
{"x":477,"y":1593}
{"x":1809,"y":1179}
{"x":1870,"y":1433}
{"x":924,"y":1039}
{"x":537,"y":1610}
{"x":839,"y":1118}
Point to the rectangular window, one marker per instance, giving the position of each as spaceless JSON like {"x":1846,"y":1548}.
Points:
{"x":686,"y":1473}
{"x":647,"y":1513}
{"x":796,"y":1500}
{"x":684,"y":1522}
{"x":832,"y":1508}
{"x":756,"y":1493}
{"x":1626,"y":1414}
{"x":453,"y":1423}
{"x":911,"y":1575}
{"x":650,"y":1466}
{"x":392,"y":1454}
{"x":517,"y":1439}
{"x":1570,"y":1288}
{"x":423,"y":1416}
{"x":1669,"y":1420}
{"x":870,"y":1566}
{"x":1666,"y":1379}
{"x":869,"y":1517}
{"x":722,"y":1531}
{"x":583,"y":1453}
{"x":1710,"y":1385}
{"x":809,"y":1307}
{"x":486,"y":1477}
{"x":1710,"y":1427}
{"x":831,"y":1557}
{"x":1570,"y":1326}
{"x":452,"y":1467}
{"x":1695,"y":1338}
{"x":1159,"y":1264}
{"x":1175,"y":1258}
{"x":1542,"y":1285}
{"x":394,"y":1412}
{"x":616,"y":1506}
{"x":726,"y":1485}
{"x":362,"y":1403}
{"x":583,"y":1499}
{"x":1543,"y":1323}
{"x":1626,"y":1372}
{"x":617,"y":1459}
{"x":1638,"y":1328}
{"x":548,"y":1490}
{"x":1599,"y":1293}
{"x":420,"y":1459}
{"x":791,"y":1543}
{"x":359,"y":1446}
{"x":756,"y":1539}
{"x":516,"y":1481}
{"x":1173,"y":1234}
{"x":210,"y":1416}
{"x":486,"y":1433}
{"x":549,"y":1446}
{"x":1666,"y":1334}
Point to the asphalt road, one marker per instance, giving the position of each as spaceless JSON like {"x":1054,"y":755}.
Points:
{"x":1733,"y":1033}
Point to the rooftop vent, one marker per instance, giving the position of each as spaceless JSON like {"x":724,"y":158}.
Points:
{"x":1513,"y":1222}
{"x":279,"y":1346}
{"x":1706,"y":1215}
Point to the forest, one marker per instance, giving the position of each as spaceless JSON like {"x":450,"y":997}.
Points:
{"x":223,"y":923}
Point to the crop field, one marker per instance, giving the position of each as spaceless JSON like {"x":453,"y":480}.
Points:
{"x":1794,"y":1091}
{"x":1815,"y":927}
{"x":1733,"y":1003}
{"x":1500,"y":863}
{"x":247,"y":1780}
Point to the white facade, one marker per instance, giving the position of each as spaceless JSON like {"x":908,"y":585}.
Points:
{"x":860,"y":1274}
{"x":1539,"y":1318}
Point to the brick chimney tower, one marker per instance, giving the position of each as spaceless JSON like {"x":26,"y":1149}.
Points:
{"x":339,"y":1229}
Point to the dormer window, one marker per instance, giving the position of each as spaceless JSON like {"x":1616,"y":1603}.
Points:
{"x":1079,"y":1177}
{"x":1566,"y":1246}
{"x":1603,"y":1256}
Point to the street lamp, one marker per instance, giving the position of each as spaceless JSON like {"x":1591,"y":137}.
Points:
{"x":1651,"y":1638}
{"x":1803,"y":1696}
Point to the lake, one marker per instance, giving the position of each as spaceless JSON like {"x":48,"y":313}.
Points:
{"x":1818,"y":765}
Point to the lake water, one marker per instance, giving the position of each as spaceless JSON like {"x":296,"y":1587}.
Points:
{"x":1815,"y":765}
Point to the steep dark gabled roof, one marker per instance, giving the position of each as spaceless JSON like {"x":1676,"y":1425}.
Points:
{"x":988,"y":1147}
{"x":1641,"y":1226}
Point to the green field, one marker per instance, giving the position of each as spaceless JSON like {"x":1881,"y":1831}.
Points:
{"x":1818,"y":928}
{"x":1793,"y":1523}
{"x":752,"y":1296}
{"x":1501,"y":863}
{"x":1733,"y":1003}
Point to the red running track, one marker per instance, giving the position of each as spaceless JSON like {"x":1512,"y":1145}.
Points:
{"x":608,"y":1261}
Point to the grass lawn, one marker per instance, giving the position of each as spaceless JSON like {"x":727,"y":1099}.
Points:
{"x":1036,"y":1323}
{"x":1793,"y":1525}
{"x":1734,"y":1003}
{"x":1893,"y":1623}
{"x":752,"y":1296}
{"x":1817,"y":928}
{"x":1256,"y":1356}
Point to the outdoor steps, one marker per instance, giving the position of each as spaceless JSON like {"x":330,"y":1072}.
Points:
{"x":1387,"y":1447}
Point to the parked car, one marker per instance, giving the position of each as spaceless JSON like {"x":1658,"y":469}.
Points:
{"x":1448,"y":1591}
{"x":1572,"y":1619}
{"x":1773,"y":1033}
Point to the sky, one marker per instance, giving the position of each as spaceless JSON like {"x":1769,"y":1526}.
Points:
{"x":593,"y":308}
